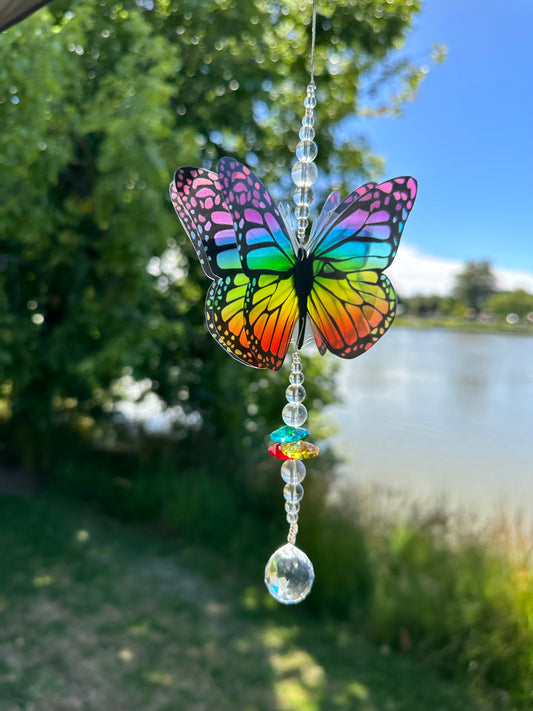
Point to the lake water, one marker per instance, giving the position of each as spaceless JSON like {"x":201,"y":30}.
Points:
{"x":439,"y":413}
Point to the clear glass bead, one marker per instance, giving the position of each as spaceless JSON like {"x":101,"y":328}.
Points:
{"x":301,"y":212}
{"x":289,"y":575}
{"x":307,"y":133}
{"x":292,"y":507}
{"x":293,"y":492}
{"x":310,"y":101}
{"x":291,"y":518}
{"x":308,"y":121}
{"x":303,"y":196}
{"x":296,"y":366}
{"x":306,"y":151}
{"x":295,"y":393}
{"x":294,"y":414}
{"x":304,"y":174}
{"x":296,"y":378}
{"x":293,"y":471}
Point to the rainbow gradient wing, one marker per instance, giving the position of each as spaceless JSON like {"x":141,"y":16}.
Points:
{"x":249,"y":251}
{"x":224,"y":315}
{"x":332,"y":203}
{"x":267,"y":257}
{"x":262,"y":237}
{"x":199,"y":203}
{"x":352,"y":303}
{"x":198,"y":200}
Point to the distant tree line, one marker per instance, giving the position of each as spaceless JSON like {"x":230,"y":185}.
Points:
{"x":474,"y":296}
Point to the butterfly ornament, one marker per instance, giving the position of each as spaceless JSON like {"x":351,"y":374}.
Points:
{"x":266,"y":285}
{"x":269,"y":282}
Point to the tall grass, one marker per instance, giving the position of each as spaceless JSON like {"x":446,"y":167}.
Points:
{"x":458,"y":594}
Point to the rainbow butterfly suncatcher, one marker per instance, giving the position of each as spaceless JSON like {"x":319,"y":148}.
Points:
{"x":265,"y":282}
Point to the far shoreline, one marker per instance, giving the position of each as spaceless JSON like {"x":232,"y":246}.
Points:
{"x":457,"y":324}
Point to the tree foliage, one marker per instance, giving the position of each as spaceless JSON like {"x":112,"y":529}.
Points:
{"x":421,"y":306}
{"x":100,"y":102}
{"x":518,"y":302}
{"x":475,"y":284}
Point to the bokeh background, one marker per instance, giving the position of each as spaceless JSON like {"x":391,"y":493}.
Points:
{"x":138,"y":504}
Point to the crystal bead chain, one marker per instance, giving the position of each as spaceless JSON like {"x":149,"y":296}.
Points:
{"x":289,"y":573}
{"x":304,"y":171}
{"x":291,"y":445}
{"x":294,"y":414}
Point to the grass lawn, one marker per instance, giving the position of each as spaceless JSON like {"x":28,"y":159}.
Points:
{"x":102,"y":616}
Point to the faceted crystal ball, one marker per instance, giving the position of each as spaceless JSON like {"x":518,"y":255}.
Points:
{"x":289,"y":575}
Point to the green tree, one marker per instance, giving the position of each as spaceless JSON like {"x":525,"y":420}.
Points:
{"x":422,"y":305}
{"x":475,"y":284}
{"x":518,"y":302}
{"x":99,"y":103}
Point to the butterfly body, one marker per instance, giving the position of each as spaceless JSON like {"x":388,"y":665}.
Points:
{"x":303,"y":284}
{"x":265,"y":283}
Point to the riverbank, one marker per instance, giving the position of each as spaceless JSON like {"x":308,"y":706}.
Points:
{"x":522,"y":327}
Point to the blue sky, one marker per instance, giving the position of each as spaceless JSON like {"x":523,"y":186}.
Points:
{"x":468,"y":138}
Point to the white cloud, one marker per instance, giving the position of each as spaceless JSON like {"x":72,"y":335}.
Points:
{"x":509,"y":279}
{"x":414,"y":272}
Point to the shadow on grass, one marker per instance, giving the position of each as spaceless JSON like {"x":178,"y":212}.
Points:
{"x":95,"y":614}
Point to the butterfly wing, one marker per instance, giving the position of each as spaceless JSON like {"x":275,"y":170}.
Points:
{"x":197,"y":198}
{"x":199,"y":203}
{"x":349,"y":315}
{"x":262,"y":236}
{"x":267,"y":257}
{"x":331,"y":204}
{"x":352,"y":303}
{"x":224,"y":314}
{"x":271,"y":312}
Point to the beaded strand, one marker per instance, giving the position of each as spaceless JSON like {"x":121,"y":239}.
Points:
{"x":289,"y":573}
{"x":304,"y":171}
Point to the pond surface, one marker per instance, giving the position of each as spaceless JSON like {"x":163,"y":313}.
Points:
{"x":440,"y":413}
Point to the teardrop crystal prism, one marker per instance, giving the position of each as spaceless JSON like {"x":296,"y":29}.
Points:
{"x":289,"y":575}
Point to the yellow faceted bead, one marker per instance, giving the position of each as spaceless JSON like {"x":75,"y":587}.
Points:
{"x":300,"y":450}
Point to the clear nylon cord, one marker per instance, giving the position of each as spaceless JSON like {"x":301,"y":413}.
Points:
{"x":313,"y":38}
{"x":304,"y":172}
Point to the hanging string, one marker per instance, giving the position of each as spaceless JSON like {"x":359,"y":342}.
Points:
{"x":313,"y":39}
{"x":289,"y":573}
{"x":304,"y":171}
